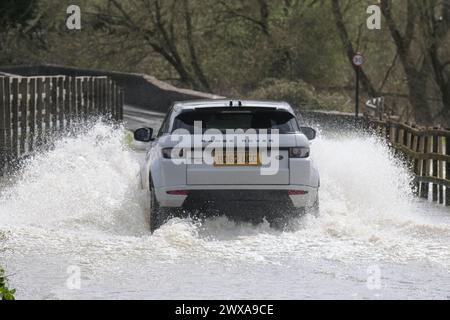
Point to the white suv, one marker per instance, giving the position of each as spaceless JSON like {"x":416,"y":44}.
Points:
{"x":228,"y":157}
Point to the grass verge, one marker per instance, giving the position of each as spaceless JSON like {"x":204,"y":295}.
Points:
{"x":6,"y":293}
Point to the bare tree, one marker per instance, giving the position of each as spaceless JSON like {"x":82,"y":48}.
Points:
{"x":348,"y":46}
{"x":198,"y":70}
{"x":155,"y":22}
{"x":415,"y":64}
{"x":435,"y":17}
{"x":242,"y":12}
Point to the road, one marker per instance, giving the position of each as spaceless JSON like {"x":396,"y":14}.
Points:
{"x":77,"y":213}
{"x":135,"y":118}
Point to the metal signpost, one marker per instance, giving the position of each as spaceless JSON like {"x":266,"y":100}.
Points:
{"x":358,"y":61}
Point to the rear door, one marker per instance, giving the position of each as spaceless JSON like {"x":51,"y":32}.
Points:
{"x":241,"y":167}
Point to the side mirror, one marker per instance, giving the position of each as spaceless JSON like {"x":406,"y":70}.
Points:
{"x":143,"y":134}
{"x":309,"y":132}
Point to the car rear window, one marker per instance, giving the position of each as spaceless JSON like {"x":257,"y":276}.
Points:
{"x":223,"y":119}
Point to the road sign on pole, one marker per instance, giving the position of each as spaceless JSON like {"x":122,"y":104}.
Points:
{"x":358,"y":61}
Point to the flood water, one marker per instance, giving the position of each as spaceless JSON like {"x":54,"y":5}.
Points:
{"x":78,"y":210}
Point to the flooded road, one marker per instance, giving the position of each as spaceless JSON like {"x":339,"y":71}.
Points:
{"x":78,"y":211}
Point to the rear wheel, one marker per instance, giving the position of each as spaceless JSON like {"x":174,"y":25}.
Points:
{"x":279,"y":223}
{"x":315,"y":208}
{"x":157,"y":216}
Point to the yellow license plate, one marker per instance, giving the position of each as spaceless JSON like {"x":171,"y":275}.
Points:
{"x":247,"y":159}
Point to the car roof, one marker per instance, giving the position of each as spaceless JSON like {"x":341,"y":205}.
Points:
{"x":221,"y":103}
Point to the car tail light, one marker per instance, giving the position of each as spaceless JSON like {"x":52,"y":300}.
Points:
{"x":297,"y":192}
{"x":299,"y":152}
{"x":178,"y":192}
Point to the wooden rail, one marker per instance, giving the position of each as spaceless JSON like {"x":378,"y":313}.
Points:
{"x":427,"y":150}
{"x":32,"y":109}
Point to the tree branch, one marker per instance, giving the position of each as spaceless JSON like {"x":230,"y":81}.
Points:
{"x":190,"y":42}
{"x":348,"y":46}
{"x":262,"y":24}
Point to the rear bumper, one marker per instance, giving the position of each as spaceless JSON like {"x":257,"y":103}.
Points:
{"x":260,"y":195}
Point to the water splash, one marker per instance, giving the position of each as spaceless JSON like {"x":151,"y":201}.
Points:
{"x":87,"y":181}
{"x":81,"y":202}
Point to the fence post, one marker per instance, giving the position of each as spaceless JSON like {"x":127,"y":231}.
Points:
{"x":108,"y":97}
{"x":2,"y":125}
{"x":47,"y":109}
{"x":423,"y":191}
{"x":89,"y":97}
{"x":85,"y":91}
{"x":92,"y":97}
{"x":428,"y":165}
{"x":97,"y":96}
{"x":54,"y":104}
{"x":67,"y":101}
{"x":79,"y":116}
{"x":8,"y":136}
{"x":32,"y":118}
{"x":447,"y":171}
{"x":15,"y":118}
{"x":114,"y":100}
{"x":103,"y":96}
{"x":82,"y":103}
{"x":393,"y":134}
{"x":387,"y":131}
{"x":409,"y":146}
{"x":440,"y":169}
{"x":121,"y":102}
{"x":73,"y":99}
{"x":61,"y":114}
{"x":100,"y":96}
{"x":435,"y":168}
{"x":380,"y":130}
{"x":414,"y":160}
{"x":401,"y":136}
{"x":40,"y":89}
{"x":23,"y":91}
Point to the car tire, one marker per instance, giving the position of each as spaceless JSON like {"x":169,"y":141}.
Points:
{"x":315,"y":208}
{"x":280,"y":221}
{"x":156,"y":214}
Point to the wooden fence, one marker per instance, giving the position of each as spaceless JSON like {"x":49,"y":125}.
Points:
{"x":32,"y":109}
{"x":427,"y":150}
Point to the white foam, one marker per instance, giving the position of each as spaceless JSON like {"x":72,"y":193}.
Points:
{"x":87,"y":181}
{"x":81,"y":202}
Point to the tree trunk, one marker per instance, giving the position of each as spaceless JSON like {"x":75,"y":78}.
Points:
{"x":198,"y":71}
{"x":415,"y":76}
{"x":348,"y":46}
{"x":418,"y":96}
